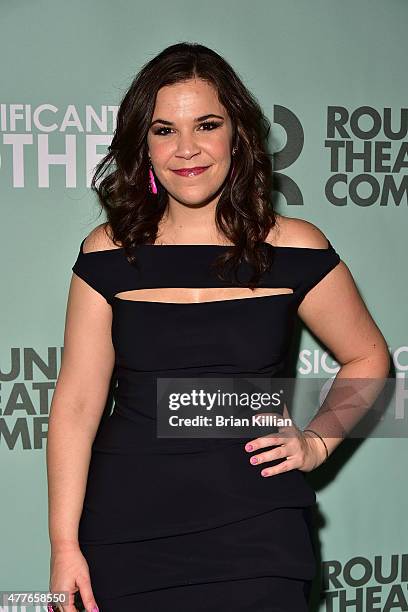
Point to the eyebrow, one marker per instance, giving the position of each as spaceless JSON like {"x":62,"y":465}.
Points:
{"x":202,"y":118}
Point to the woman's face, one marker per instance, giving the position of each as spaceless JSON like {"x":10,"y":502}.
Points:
{"x":178,"y":139}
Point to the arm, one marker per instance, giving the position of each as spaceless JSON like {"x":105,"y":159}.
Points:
{"x":335,"y":312}
{"x":77,"y":405}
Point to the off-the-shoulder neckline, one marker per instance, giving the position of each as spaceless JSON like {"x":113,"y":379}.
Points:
{"x":208,"y":246}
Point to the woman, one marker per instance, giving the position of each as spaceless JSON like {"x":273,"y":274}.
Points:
{"x":142,"y":522}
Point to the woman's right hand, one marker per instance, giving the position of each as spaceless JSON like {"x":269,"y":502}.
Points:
{"x":69,"y":572}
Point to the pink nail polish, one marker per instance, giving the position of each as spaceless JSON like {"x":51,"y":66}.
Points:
{"x":254,"y":460}
{"x":249,"y":447}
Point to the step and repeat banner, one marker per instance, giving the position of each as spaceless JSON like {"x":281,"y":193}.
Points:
{"x":330,"y":76}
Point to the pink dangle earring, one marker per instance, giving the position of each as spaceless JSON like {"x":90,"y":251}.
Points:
{"x":152,"y":184}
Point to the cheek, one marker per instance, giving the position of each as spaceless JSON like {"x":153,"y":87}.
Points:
{"x":161,"y":151}
{"x":220,"y":150}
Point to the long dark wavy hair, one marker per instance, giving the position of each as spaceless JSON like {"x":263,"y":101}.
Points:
{"x":244,"y":212}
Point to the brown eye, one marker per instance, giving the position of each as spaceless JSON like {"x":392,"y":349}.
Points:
{"x":213,"y":124}
{"x":159,"y":130}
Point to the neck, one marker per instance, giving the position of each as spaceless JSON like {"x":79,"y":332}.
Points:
{"x":184,"y":224}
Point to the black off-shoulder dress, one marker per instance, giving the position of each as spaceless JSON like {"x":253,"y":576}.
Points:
{"x":189,"y":524}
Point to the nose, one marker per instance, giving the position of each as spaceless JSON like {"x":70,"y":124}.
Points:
{"x":187,"y":146}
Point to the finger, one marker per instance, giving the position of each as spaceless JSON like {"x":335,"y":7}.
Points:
{"x":56,"y":606}
{"x":86,"y":592}
{"x":285,"y":466}
{"x":68,"y":607}
{"x":283,"y":431}
{"x":63,"y":608}
{"x":271,"y":455}
{"x":270,"y":440}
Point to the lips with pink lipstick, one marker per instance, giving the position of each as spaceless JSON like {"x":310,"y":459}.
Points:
{"x":191,"y":171}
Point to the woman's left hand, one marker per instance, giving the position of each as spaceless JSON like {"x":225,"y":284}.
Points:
{"x":302,"y":451}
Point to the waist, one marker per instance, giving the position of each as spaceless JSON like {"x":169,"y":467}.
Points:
{"x":139,"y":394}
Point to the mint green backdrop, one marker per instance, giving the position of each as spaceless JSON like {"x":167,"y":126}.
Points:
{"x":63,"y":70}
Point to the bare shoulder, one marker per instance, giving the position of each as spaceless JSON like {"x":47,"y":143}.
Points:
{"x":99,"y":239}
{"x":294,"y":232}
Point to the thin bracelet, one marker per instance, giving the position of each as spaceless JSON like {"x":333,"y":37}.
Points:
{"x":315,"y":432}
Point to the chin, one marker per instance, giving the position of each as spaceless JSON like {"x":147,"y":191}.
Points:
{"x":197,"y":200}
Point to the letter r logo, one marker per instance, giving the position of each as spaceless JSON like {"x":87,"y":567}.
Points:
{"x":287,"y":156}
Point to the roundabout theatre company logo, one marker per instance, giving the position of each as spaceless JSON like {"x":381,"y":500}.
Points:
{"x":364,"y":584}
{"x":366,"y":151}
